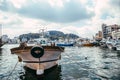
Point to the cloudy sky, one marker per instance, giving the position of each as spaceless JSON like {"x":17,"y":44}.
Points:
{"x":81,"y":17}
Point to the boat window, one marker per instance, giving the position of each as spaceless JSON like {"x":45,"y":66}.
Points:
{"x":42,"y":42}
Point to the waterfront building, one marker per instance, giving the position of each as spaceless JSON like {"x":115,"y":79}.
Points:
{"x":104,"y":30}
{"x":116,"y":34}
{"x":98,"y":36}
{"x":108,"y":29}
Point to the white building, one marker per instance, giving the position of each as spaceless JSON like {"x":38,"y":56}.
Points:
{"x":108,"y":29}
{"x":116,"y":34}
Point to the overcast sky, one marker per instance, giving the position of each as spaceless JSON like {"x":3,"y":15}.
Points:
{"x":81,"y":17}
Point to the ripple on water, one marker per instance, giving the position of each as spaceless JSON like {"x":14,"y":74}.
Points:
{"x":77,"y":63}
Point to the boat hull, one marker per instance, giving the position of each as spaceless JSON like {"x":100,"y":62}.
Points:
{"x":118,"y":47}
{"x":1,"y":45}
{"x":64,"y":44}
{"x":88,"y":45}
{"x":48,"y":60}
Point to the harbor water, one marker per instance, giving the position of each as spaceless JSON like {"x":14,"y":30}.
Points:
{"x":77,"y":63}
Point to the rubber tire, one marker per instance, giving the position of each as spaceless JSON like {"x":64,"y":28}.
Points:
{"x":36,"y":55}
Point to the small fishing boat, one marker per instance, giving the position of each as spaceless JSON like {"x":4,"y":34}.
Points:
{"x":65,"y":44}
{"x":117,"y":45}
{"x":103,"y":44}
{"x":87,"y":44}
{"x":111,"y":44}
{"x":38,"y":57}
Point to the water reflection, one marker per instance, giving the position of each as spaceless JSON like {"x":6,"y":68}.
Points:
{"x":0,"y":50}
{"x":118,"y":54}
{"x":53,"y":73}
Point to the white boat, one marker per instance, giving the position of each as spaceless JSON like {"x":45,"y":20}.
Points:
{"x":103,"y":44}
{"x":41,"y":40}
{"x":117,"y":45}
{"x":111,"y":44}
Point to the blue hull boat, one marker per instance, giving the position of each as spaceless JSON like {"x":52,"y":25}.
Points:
{"x":71,"y":44}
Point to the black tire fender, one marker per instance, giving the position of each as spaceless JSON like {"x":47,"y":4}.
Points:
{"x":37,"y":52}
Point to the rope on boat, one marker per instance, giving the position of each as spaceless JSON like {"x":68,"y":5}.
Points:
{"x":40,"y":61}
{"x":61,"y":49}
{"x":12,"y":71}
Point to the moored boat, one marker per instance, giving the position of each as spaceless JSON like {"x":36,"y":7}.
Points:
{"x":65,"y":44}
{"x":38,"y":57}
{"x":87,"y":44}
{"x":103,"y":44}
{"x":117,"y":45}
{"x":111,"y":44}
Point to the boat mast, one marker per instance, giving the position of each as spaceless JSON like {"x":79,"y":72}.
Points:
{"x":68,"y":39}
{"x":42,"y":32}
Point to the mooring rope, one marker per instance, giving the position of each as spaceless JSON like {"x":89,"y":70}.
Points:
{"x":61,"y":48}
{"x":12,"y":71}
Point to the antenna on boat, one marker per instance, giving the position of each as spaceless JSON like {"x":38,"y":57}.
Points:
{"x":42,"y":31}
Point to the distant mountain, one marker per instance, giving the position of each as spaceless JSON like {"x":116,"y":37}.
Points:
{"x":56,"y":33}
{"x":52,"y":35}
{"x":29,"y":36}
{"x":71,"y":35}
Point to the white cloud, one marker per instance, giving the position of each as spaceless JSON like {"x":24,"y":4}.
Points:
{"x":54,"y":3}
{"x":70,"y":12}
{"x":82,"y":17}
{"x":100,"y":6}
{"x":18,"y":3}
{"x":83,"y":1}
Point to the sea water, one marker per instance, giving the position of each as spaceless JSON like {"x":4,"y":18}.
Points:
{"x":77,"y":63}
